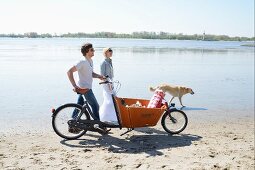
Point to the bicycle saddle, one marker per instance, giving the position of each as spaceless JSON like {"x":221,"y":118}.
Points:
{"x":80,"y":91}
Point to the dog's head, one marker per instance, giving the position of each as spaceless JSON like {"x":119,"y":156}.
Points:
{"x":190,"y":91}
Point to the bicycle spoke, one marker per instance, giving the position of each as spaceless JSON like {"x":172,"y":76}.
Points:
{"x":61,"y":122}
{"x":175,"y":121}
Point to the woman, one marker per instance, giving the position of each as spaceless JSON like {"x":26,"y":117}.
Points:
{"x":107,"y":111}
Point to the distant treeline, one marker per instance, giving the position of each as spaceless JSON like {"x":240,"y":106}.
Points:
{"x":136,"y":35}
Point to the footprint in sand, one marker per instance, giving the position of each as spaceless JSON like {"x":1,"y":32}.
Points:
{"x":118,"y":166}
{"x":87,"y":150}
{"x":213,"y":153}
{"x":37,"y":161}
{"x":163,"y":166}
{"x":53,"y":150}
{"x":138,"y":166}
{"x":108,"y":160}
{"x":51,"y":158}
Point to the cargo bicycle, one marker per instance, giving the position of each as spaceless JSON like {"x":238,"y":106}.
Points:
{"x":173,"y":120}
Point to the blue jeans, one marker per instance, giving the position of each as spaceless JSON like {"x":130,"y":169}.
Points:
{"x":91,"y":99}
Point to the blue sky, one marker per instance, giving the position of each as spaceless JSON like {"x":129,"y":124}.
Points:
{"x":228,"y":17}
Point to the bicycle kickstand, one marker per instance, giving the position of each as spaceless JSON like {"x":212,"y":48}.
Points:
{"x":128,"y":130}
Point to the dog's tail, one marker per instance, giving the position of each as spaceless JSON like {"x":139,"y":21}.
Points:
{"x":152,"y":89}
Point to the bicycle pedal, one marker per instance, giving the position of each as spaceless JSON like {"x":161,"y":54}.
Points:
{"x":96,"y":126}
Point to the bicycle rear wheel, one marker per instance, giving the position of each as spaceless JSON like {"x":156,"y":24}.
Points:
{"x":61,"y":117}
{"x":174,"y":121}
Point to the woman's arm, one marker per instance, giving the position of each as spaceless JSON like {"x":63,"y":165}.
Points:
{"x":103,"y":69}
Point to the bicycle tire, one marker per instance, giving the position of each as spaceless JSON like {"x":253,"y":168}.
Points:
{"x":167,"y":115}
{"x":58,"y":111}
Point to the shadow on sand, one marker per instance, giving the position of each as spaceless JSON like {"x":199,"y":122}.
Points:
{"x":150,"y":144}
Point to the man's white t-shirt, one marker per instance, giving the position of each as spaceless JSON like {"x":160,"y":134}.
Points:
{"x":85,"y":70}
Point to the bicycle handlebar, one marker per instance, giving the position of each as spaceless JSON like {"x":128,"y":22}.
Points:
{"x":116,"y":88}
{"x":105,"y":82}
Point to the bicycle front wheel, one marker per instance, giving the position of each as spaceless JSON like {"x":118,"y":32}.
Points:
{"x":61,"y":117}
{"x":174,"y":121}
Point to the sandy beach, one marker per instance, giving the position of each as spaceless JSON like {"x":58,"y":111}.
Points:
{"x":220,"y":131}
{"x":227,"y":144}
{"x":203,"y":50}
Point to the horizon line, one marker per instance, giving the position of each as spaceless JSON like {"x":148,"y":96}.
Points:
{"x":128,"y":33}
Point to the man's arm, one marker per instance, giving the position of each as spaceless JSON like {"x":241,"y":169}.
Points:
{"x":95,"y":75}
{"x":70,"y":76}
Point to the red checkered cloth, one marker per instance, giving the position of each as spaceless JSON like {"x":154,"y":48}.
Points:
{"x":156,"y":99}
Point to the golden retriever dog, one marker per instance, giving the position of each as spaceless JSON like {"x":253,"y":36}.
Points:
{"x":175,"y":91}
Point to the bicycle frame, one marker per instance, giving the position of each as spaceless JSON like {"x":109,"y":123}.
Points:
{"x":89,"y":124}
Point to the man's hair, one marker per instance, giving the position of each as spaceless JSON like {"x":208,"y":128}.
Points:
{"x":85,"y":48}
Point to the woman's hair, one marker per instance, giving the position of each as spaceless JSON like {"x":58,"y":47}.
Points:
{"x":85,"y":48}
{"x":106,"y":49}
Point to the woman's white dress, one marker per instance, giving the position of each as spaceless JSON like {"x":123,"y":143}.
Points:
{"x":107,"y":111}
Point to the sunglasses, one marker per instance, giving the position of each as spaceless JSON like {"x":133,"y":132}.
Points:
{"x":92,"y":50}
{"x":110,"y":50}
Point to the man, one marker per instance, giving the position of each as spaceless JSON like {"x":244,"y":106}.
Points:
{"x":86,"y":75}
